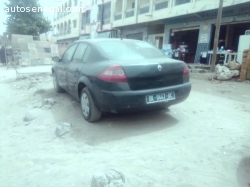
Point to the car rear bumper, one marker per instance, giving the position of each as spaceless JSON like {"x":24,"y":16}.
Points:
{"x":127,"y":101}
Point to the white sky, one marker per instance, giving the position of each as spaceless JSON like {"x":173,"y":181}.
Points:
{"x":43,"y":3}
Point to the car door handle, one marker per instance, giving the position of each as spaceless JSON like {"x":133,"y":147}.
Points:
{"x":77,"y":70}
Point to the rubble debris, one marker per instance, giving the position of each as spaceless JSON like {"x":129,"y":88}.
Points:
{"x":48,"y":103}
{"x":62,"y":129}
{"x":224,"y":73}
{"x":30,"y":115}
{"x":233,"y":65}
{"x":112,"y":178}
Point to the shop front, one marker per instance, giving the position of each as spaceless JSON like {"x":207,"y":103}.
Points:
{"x":184,"y":43}
{"x":191,"y":37}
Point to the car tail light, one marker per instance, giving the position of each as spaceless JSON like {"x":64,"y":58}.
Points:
{"x":185,"y":70}
{"x":113,"y":74}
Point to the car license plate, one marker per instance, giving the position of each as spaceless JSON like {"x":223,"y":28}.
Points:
{"x":161,"y":97}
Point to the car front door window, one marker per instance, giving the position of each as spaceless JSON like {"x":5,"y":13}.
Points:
{"x":67,"y":57}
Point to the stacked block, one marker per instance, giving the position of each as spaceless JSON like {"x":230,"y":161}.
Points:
{"x":245,"y":65}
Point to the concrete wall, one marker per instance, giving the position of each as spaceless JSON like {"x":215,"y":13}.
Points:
{"x":34,"y":52}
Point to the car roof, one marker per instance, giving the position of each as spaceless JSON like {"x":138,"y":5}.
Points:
{"x":105,"y":40}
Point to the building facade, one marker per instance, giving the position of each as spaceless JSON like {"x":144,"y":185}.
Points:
{"x":83,"y":20}
{"x":167,"y":24}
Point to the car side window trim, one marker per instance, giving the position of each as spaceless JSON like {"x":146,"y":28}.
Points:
{"x":88,"y":49}
{"x":75,"y":45}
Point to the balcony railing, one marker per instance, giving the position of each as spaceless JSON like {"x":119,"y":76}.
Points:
{"x":161,"y":4}
{"x":63,"y":33}
{"x":144,"y":9}
{"x":118,"y":16}
{"x":130,"y":13}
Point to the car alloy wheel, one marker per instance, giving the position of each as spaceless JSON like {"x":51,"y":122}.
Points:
{"x":90,"y":112}
{"x":85,"y":105}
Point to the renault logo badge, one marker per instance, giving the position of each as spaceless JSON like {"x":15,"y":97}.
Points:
{"x":159,"y":67}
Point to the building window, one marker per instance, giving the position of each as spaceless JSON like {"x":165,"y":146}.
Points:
{"x":47,"y":50}
{"x":161,"y":5}
{"x":99,"y":15}
{"x":180,"y":2}
{"x":85,"y":18}
{"x":133,"y":5}
{"x":104,"y":13}
{"x":118,"y":6}
{"x":74,"y":23}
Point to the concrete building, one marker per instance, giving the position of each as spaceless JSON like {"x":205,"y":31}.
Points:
{"x":83,"y":19}
{"x":169,"y":23}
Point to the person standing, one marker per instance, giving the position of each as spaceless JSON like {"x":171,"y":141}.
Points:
{"x":3,"y":55}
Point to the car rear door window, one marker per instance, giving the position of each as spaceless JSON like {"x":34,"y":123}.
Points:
{"x":80,"y":51}
{"x":67,"y":57}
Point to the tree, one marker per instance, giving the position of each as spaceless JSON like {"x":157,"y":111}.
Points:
{"x":26,"y":18}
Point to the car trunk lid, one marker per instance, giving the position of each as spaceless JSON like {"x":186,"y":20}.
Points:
{"x":153,"y":73}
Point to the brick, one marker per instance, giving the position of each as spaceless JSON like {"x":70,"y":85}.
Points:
{"x":244,"y":66}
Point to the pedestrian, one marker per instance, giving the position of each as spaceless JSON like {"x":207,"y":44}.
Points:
{"x":3,"y":55}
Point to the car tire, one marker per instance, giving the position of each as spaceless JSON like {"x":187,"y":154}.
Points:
{"x":89,"y":111}
{"x":57,"y":87}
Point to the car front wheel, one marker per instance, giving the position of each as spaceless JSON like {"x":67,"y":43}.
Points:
{"x":90,"y":112}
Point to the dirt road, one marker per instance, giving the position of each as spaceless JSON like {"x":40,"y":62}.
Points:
{"x":203,"y":141}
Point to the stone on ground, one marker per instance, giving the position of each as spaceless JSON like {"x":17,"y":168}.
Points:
{"x":30,"y":115}
{"x":112,"y":178}
{"x":62,"y":129}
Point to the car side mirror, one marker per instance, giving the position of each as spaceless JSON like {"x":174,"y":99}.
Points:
{"x":56,"y":59}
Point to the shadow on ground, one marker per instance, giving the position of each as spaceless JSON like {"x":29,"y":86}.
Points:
{"x":111,"y":127}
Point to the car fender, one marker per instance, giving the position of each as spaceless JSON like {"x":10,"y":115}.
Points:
{"x":88,"y":84}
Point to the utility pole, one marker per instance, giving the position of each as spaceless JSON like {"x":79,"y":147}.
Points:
{"x":216,"y":36}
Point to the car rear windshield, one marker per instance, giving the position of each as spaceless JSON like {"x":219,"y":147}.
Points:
{"x":129,"y":50}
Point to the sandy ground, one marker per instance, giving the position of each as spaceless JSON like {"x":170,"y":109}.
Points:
{"x":203,"y":141}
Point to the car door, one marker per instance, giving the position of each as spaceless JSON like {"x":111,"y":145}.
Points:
{"x":75,"y":67}
{"x":63,"y":66}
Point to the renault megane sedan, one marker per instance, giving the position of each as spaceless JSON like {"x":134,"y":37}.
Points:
{"x":119,"y":75}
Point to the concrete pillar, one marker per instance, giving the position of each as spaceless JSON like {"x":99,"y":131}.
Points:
{"x":229,"y":36}
{"x":112,"y":11}
{"x":124,"y":8}
{"x":167,"y":33}
{"x":203,"y":40}
{"x":151,"y":7}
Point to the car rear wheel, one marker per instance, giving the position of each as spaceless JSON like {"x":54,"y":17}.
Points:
{"x":57,"y":87}
{"x":90,"y":112}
